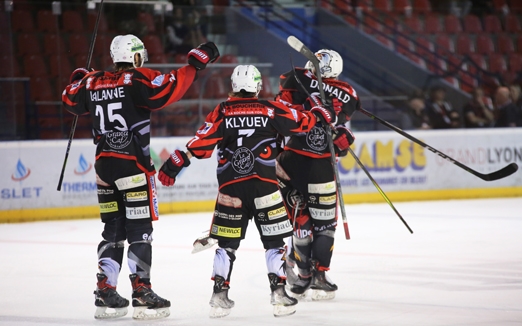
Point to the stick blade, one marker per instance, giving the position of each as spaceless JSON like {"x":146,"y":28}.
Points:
{"x":502,"y":173}
{"x":295,"y":43}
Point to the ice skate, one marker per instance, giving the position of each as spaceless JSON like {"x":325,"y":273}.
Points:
{"x":284,"y":305}
{"x":106,"y":297}
{"x":146,"y":303}
{"x":323,"y":288}
{"x":298,"y":290}
{"x":202,"y":243}
{"x":219,"y":302}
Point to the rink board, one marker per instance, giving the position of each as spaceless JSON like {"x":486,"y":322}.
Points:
{"x":404,"y":170}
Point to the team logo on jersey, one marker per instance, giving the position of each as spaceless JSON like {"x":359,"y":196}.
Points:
{"x":127,"y":79}
{"x":205,"y":129}
{"x":243,"y":160}
{"x":316,"y":139}
{"x":158,"y":80}
{"x":118,"y":139}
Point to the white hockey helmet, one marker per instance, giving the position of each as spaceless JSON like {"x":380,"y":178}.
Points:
{"x":124,"y":49}
{"x":330,"y":63}
{"x":248,"y":78}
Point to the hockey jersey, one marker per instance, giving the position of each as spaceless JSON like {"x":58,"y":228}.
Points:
{"x":314,"y":143}
{"x":120,"y":106}
{"x":245,"y":132}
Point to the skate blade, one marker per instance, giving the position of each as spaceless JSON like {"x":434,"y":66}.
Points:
{"x":101,"y":312}
{"x":143,"y":313}
{"x":320,"y":295}
{"x":218,"y":312}
{"x":283,"y":311}
{"x":203,"y":243}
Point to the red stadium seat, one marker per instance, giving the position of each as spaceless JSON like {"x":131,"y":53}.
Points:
{"x":153,"y":44}
{"x":227,"y":58}
{"x":54,"y":43}
{"x":372,"y":24}
{"x":433,"y":24}
{"x":479,"y":63}
{"x":146,"y":19}
{"x":444,"y":44}
{"x":103,"y":26}
{"x":5,"y":43}
{"x":519,"y":43}
{"x":484,"y":44}
{"x":12,"y":67}
{"x":158,"y":58}
{"x":472,"y":24}
{"x":216,"y":87}
{"x":492,"y":24}
{"x":452,"y":24}
{"x":60,"y":66}
{"x":28,"y":43}
{"x":102,"y":45}
{"x":34,"y":66}
{"x":499,"y":5}
{"x":403,"y":45}
{"x":512,"y":24}
{"x":425,"y":49}
{"x":402,"y":6}
{"x":413,"y":25}
{"x":42,"y":90}
{"x":505,"y":44}
{"x":73,"y":21}
{"x":515,"y":62}
{"x":266,"y":92}
{"x":497,"y":63}
{"x":340,"y":7}
{"x":464,"y":44}
{"x":180,"y":58}
{"x":78,"y":44}
{"x":387,"y":42}
{"x":22,"y":21}
{"x":515,"y":6}
{"x":421,"y":6}
{"x":46,"y":21}
{"x":382,"y":5}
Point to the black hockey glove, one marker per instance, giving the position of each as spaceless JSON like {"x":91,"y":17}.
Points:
{"x":203,"y":54}
{"x":78,"y":74}
{"x":172,"y":167}
{"x":343,"y":139}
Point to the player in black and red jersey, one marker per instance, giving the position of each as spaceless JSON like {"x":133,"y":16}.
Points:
{"x":120,"y":103}
{"x":307,"y":174}
{"x":245,"y":130}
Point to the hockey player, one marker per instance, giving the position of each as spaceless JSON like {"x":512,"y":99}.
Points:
{"x":120,"y":103}
{"x":307,"y":176}
{"x":244,"y":130}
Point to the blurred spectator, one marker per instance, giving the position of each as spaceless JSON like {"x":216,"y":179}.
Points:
{"x":186,"y":29}
{"x":505,"y":110}
{"x":415,"y":117}
{"x":478,"y":112}
{"x":440,"y":112}
{"x":516,"y":97}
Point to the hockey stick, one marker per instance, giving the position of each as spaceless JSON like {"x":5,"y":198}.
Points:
{"x":297,"y":45}
{"x":75,"y":119}
{"x":502,"y":173}
{"x":379,"y":188}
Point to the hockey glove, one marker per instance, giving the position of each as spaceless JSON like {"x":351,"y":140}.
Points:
{"x":344,"y":138}
{"x":203,"y":54}
{"x":324,"y":113}
{"x":172,"y":167}
{"x":78,"y":74}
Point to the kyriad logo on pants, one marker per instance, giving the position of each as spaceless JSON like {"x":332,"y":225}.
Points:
{"x":277,"y":228}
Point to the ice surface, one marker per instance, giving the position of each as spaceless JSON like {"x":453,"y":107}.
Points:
{"x":462,"y":266}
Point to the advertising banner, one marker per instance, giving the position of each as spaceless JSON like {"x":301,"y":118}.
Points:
{"x":31,"y":169}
